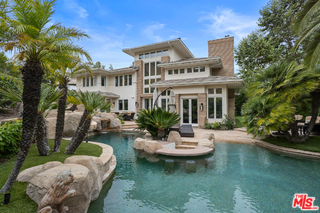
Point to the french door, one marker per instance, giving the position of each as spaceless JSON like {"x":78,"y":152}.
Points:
{"x":189,"y":109}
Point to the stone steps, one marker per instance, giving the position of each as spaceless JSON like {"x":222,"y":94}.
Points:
{"x":190,"y":143}
{"x":185,"y":147}
{"x":129,"y":126}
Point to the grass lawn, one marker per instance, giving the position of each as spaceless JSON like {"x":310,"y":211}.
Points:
{"x":239,"y":121}
{"x":20,"y":201}
{"x":312,"y":144}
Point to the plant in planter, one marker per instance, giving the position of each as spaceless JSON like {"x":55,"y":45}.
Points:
{"x":156,"y":121}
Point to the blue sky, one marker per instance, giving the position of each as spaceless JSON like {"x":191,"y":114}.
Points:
{"x":115,"y":25}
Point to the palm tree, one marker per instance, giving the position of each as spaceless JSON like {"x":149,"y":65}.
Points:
{"x":156,"y":121}
{"x":37,"y":43}
{"x":49,"y":95}
{"x":63,"y":75}
{"x":306,"y":24}
{"x":92,"y":103}
{"x":275,"y":96}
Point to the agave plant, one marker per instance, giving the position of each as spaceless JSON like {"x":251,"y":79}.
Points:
{"x":93,"y":102}
{"x":156,"y":121}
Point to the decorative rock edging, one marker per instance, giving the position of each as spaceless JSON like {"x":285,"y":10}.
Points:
{"x":289,"y":151}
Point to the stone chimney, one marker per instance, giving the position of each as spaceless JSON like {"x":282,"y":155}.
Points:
{"x":223,"y":48}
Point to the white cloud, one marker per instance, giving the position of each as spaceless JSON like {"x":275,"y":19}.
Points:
{"x":152,"y":31}
{"x":226,"y":22}
{"x":129,"y":26}
{"x":73,"y":6}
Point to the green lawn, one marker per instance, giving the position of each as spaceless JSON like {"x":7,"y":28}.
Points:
{"x":20,"y":201}
{"x":312,"y":144}
{"x":239,"y":121}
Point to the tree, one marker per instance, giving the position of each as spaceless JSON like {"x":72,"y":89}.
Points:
{"x":306,"y":25}
{"x":277,"y":94}
{"x":92,"y":103}
{"x":110,"y":67}
{"x":36,"y":43}
{"x":63,"y":74}
{"x":156,"y":121}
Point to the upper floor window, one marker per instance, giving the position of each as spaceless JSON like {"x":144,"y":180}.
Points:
{"x":83,"y":81}
{"x":158,"y":53}
{"x":146,"y":55}
{"x":189,"y":70}
{"x":116,"y":81}
{"x":165,"y":52}
{"x":120,"y":81}
{"x":153,"y":54}
{"x":202,"y":69}
{"x":125,"y":80}
{"x":130,"y":79}
{"x":103,"y":81}
{"x":140,"y":56}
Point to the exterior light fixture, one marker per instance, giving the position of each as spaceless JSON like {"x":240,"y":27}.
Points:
{"x":201,"y":106}
{"x":137,"y":104}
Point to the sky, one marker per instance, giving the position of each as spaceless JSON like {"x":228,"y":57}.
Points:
{"x":116,"y":25}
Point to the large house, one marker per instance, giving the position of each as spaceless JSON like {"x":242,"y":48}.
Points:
{"x":203,"y":87}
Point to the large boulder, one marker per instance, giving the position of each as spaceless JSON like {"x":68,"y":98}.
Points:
{"x":174,"y":137}
{"x":93,"y":126}
{"x":51,"y":127}
{"x":80,"y":108}
{"x":82,"y":184}
{"x":52,"y":114}
{"x":95,"y":167}
{"x":114,"y":123}
{"x":139,"y":144}
{"x":71,"y":124}
{"x":152,"y":146}
{"x":208,"y":136}
{"x":98,"y":121}
{"x":206,"y":143}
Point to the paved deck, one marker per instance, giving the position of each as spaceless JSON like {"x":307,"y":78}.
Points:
{"x":185,"y":152}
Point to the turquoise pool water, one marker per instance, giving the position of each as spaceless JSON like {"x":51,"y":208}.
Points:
{"x":236,"y":178}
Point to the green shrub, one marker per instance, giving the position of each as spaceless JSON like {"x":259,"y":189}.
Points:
{"x":216,"y":125}
{"x":228,"y":122}
{"x":10,"y":136}
{"x":121,"y":119}
{"x":206,"y":124}
{"x":8,"y":82}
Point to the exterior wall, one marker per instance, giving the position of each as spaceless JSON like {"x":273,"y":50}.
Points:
{"x":223,"y":48}
{"x":202,"y":98}
{"x":231,"y":103}
{"x":198,"y":74}
{"x":177,"y":98}
{"x":164,"y":59}
{"x":139,"y":88}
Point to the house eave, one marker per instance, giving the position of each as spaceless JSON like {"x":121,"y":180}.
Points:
{"x":213,"y":62}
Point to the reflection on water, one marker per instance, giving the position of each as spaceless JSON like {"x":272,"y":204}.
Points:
{"x":236,"y":178}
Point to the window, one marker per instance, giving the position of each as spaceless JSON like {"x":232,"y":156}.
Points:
{"x":152,"y":54}
{"x":116,"y":81}
{"x":91,"y":81}
{"x":146,"y":69}
{"x":165,"y":52}
{"x":120,"y":81}
{"x":218,"y":90}
{"x":170,"y":72}
{"x":152,"y":80}
{"x":146,"y":81}
{"x":210,"y":91}
{"x":140,"y":56}
{"x":153,"y":68}
{"x":146,"y":90}
{"x":163,"y":104}
{"x":176,"y":71}
{"x":84,"y":82}
{"x":215,"y":103}
{"x":158,"y":79}
{"x":95,"y":80}
{"x":103,"y":81}
{"x":130,"y":80}
{"x":159,"y":53}
{"x":202,"y":69}
{"x":151,"y":89}
{"x":88,"y":81}
{"x":181,"y":71}
{"x":195,"y":69}
{"x":146,"y":55}
{"x":189,"y":70}
{"x":120,"y":105}
{"x":125,"y":101}
{"x":158,"y":68}
{"x":146,"y":103}
{"x":125,"y":80}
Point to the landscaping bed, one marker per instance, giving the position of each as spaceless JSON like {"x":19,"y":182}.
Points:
{"x":312,"y":144}
{"x":19,"y":200}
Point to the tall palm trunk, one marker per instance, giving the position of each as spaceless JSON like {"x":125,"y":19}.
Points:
{"x":41,"y":136}
{"x":32,"y":75}
{"x":60,"y":116}
{"x":78,"y":137}
{"x":82,"y":120}
{"x":294,"y":137}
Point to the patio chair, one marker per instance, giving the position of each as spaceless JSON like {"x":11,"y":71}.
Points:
{"x":175,"y":128}
{"x":132,"y":115}
{"x":186,"y":130}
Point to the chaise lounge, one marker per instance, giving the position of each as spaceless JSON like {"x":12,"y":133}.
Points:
{"x":186,"y":130}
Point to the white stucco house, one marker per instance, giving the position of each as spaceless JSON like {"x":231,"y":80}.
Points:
{"x":203,"y":87}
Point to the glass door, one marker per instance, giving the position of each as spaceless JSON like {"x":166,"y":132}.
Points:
{"x":190,"y":111}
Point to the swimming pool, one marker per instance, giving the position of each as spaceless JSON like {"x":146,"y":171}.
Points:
{"x":236,"y":178}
